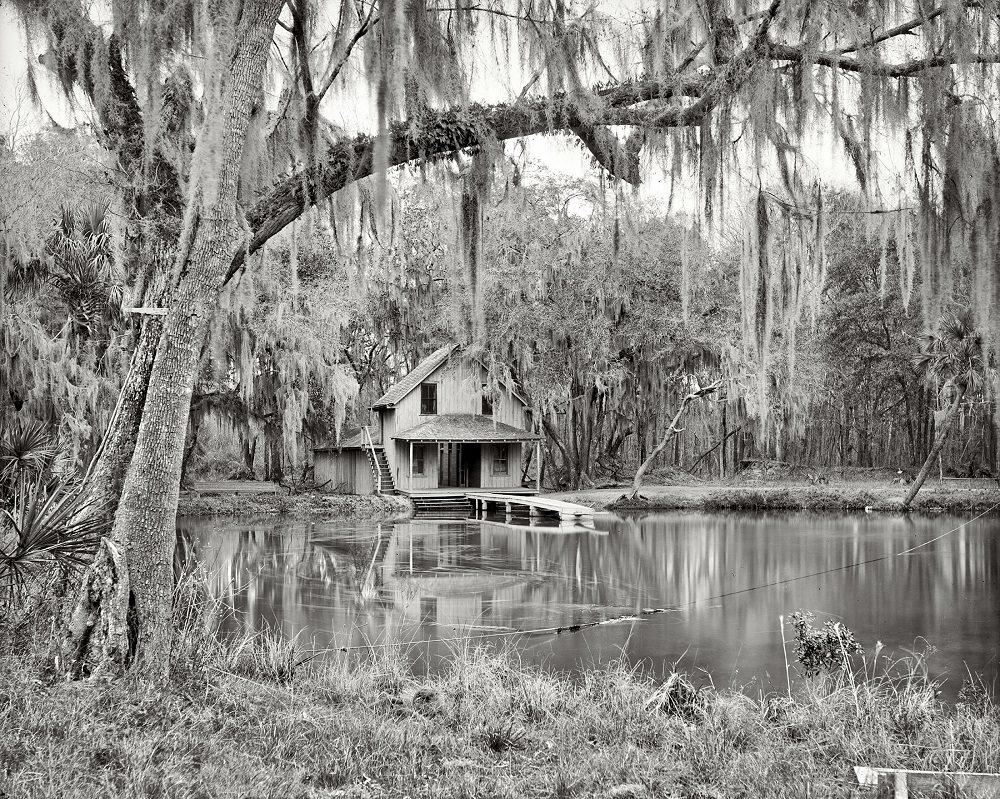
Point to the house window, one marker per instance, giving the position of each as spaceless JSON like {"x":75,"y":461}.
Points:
{"x":428,"y":398}
{"x":418,"y":458}
{"x":500,"y":459}
{"x":487,"y":403}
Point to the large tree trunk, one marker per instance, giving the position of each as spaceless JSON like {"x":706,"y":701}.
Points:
{"x":941,"y":436}
{"x":106,"y":476}
{"x":214,"y":232}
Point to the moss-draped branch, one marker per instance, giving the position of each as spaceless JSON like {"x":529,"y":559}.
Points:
{"x":438,"y":133}
{"x":670,"y":102}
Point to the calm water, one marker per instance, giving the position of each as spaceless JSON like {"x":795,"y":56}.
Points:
{"x":349,"y":585}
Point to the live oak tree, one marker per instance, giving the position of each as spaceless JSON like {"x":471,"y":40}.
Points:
{"x":184,"y":96}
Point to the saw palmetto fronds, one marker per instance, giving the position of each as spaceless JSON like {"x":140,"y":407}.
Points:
{"x":24,"y":447}
{"x":45,"y":526}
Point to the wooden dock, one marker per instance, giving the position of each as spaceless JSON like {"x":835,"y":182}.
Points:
{"x":536,"y":505}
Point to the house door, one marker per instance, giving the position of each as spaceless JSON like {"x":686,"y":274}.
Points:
{"x":459,"y":465}
{"x":449,"y":465}
{"x":472,"y":455}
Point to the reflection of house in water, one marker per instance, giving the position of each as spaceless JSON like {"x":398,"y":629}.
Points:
{"x":434,"y":572}
{"x":491,"y":574}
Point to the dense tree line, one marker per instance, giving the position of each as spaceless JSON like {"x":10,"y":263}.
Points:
{"x":600,"y":310}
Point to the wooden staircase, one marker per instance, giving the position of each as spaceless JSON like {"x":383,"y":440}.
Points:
{"x":446,"y":506}
{"x":380,"y":467}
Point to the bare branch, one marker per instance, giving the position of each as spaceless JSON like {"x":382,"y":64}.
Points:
{"x":370,"y":22}
{"x":688,"y":60}
{"x":671,"y":431}
{"x":493,"y":11}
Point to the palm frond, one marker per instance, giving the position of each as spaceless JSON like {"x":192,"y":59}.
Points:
{"x":955,"y":353}
{"x":25,"y":447}
{"x":46,"y":526}
{"x":66,"y":223}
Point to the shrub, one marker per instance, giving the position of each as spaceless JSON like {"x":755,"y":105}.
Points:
{"x":826,"y":649}
{"x":45,"y":526}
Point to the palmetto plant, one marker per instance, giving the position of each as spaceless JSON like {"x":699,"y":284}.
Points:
{"x":956,"y":359}
{"x":43,"y":526}
{"x":24,"y":447}
{"x":955,"y":355}
{"x":82,"y":267}
{"x":43,"y":523}
{"x":61,"y":320}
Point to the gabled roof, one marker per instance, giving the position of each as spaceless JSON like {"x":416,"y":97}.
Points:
{"x":415,"y":377}
{"x":464,"y":427}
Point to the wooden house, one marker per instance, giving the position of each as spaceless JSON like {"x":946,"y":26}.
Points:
{"x":437,"y":431}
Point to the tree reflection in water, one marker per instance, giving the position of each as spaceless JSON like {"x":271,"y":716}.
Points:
{"x":418,"y":582}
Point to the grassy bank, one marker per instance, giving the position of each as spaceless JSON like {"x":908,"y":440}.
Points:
{"x":308,"y":504}
{"x":841,"y":495}
{"x":240,"y":720}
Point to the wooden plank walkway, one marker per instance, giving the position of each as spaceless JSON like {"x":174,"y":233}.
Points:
{"x":234,"y":487}
{"x":904,"y":783}
{"x":534,"y":504}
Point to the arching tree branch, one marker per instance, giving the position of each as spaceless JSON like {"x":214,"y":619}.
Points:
{"x":438,"y":133}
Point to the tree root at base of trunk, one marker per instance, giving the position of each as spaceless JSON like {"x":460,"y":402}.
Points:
{"x":97,"y":642}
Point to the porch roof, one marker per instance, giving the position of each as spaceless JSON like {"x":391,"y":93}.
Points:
{"x":464,"y":427}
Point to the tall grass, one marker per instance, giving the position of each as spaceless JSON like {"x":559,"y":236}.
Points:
{"x":253,"y":717}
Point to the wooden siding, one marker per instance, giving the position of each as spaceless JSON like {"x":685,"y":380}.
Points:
{"x":459,"y":390}
{"x":429,"y":479}
{"x":459,"y":383}
{"x":513,"y":477}
{"x":347,"y":470}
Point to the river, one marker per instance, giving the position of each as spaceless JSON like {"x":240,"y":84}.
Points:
{"x":723,"y":579}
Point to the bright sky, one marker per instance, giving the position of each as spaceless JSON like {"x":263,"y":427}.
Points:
{"x":18,"y":114}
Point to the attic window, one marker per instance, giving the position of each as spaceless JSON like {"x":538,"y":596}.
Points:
{"x":487,"y":403}
{"x":428,"y":399}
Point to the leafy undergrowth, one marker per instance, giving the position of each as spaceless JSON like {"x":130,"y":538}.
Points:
{"x":309,"y":504}
{"x":787,"y":497}
{"x":794,"y":499}
{"x":249,"y":719}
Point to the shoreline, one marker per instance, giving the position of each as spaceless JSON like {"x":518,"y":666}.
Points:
{"x":778,"y":496}
{"x":856,"y":495}
{"x":308,"y":505}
